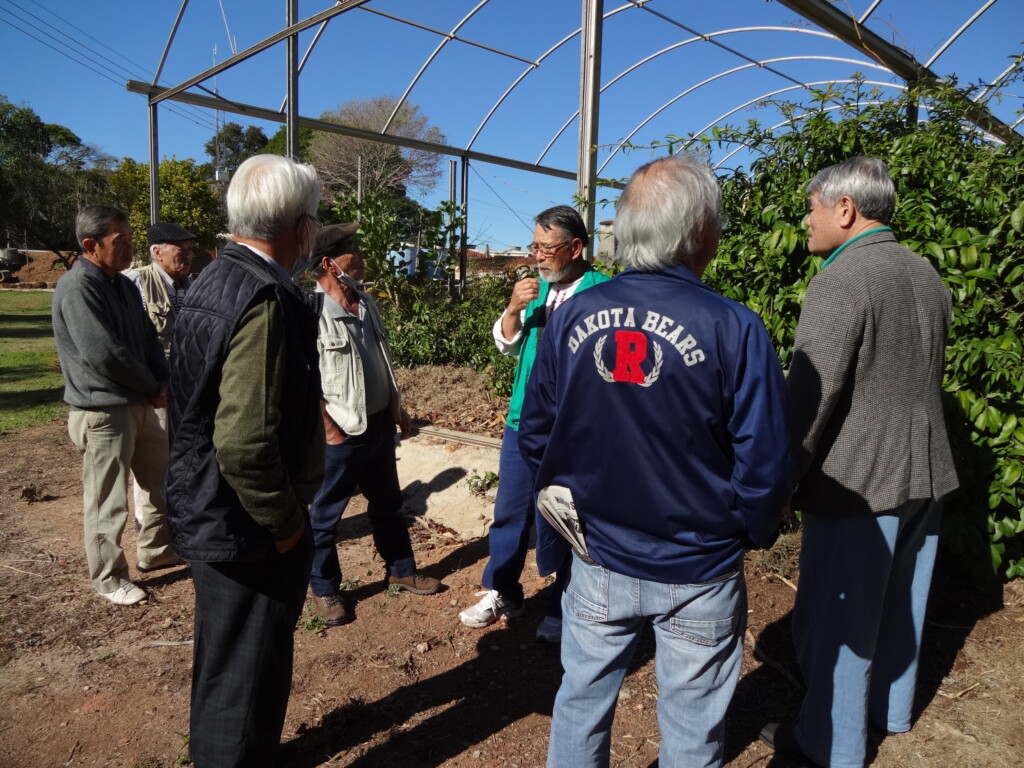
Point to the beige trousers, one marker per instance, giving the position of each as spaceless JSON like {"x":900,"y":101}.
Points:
{"x":114,"y":441}
{"x":139,"y":496}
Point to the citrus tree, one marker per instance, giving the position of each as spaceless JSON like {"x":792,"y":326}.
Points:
{"x":427,"y":322}
{"x":960,"y":204}
{"x":186,"y":197}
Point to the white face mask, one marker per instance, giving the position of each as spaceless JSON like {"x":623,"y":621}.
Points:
{"x":347,"y":280}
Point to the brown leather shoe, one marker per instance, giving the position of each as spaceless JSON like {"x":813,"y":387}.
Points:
{"x":335,"y":609}
{"x":417,"y":584}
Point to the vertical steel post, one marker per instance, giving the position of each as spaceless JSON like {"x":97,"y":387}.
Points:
{"x":590,"y":100}
{"x":292,"y":112}
{"x":154,"y":165}
{"x":912,"y":110}
{"x":451,"y":200}
{"x":464,"y":257}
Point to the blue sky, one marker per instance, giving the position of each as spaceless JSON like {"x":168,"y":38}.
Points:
{"x":68,"y":60}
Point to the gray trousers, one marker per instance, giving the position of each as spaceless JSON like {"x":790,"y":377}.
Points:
{"x":113,"y":442}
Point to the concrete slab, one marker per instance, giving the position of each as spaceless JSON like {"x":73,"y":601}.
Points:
{"x":433,"y":472}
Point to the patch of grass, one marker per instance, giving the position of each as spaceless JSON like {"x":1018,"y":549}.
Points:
{"x":479,"y":485}
{"x":316,"y":624}
{"x":31,"y":385}
{"x":185,"y":758}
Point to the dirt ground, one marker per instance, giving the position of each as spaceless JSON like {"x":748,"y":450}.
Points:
{"x":84,"y":683}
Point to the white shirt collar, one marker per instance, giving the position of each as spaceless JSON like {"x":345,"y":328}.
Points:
{"x":273,"y":264}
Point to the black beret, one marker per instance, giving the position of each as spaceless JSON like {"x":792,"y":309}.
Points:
{"x":331,"y":238}
{"x":166,"y":232}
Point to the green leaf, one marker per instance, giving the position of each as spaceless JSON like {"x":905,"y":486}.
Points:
{"x":1017,"y":218}
{"x":936,"y":251}
{"x":1012,"y":472}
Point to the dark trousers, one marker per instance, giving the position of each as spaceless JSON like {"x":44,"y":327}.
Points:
{"x":242,"y":661}
{"x":366,"y":460}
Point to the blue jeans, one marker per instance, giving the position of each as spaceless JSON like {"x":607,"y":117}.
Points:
{"x":857,"y":622}
{"x":509,"y":536}
{"x":366,"y":460}
{"x":699,"y":633}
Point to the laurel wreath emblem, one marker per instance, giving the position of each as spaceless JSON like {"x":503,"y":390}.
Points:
{"x":659,"y":358}
{"x":602,"y":369}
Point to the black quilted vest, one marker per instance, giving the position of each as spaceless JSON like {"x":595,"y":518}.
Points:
{"x":207,"y":520}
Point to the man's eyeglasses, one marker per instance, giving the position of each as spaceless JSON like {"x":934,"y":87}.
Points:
{"x":534,"y":248}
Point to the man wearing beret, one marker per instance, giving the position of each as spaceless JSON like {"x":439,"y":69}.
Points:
{"x":165,"y":279}
{"x":361,"y":407}
{"x":163,"y":283}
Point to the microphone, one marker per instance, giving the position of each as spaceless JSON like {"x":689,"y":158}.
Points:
{"x":524,"y":272}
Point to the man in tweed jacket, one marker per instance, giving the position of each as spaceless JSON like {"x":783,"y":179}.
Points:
{"x":873,"y":463}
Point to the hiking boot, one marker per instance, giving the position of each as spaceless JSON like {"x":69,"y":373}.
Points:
{"x":417,"y":584}
{"x":334,"y":609}
{"x":490,"y":609}
{"x":127,"y":594}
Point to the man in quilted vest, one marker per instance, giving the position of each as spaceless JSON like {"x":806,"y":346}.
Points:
{"x":246,"y":457}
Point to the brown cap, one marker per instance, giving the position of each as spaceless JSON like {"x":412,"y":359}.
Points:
{"x":331,"y":239}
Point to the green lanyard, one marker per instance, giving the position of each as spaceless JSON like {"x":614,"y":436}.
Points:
{"x":853,"y":240}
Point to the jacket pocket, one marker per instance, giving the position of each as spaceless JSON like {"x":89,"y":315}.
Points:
{"x":333,"y":350}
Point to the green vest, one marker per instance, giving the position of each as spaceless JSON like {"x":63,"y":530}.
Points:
{"x":533,"y":324}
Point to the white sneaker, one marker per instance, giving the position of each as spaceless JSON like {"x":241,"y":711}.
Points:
{"x":127,"y":594}
{"x":490,"y":609}
{"x":550,"y":630}
{"x":168,"y":559}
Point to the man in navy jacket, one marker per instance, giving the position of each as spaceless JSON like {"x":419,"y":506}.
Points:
{"x":657,"y":407}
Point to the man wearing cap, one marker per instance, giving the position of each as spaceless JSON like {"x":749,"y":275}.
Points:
{"x":360,"y":407}
{"x":165,"y":279}
{"x":114,"y":374}
{"x":163,"y":283}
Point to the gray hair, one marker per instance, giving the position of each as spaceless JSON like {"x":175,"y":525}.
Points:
{"x":268,"y":193}
{"x":94,"y":221}
{"x":666,"y":213}
{"x":567,"y":219}
{"x":865,"y":180}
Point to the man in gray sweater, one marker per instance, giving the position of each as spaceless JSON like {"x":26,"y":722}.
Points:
{"x":114,"y":370}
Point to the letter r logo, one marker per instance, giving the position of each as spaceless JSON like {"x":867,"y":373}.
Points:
{"x":630,"y":351}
